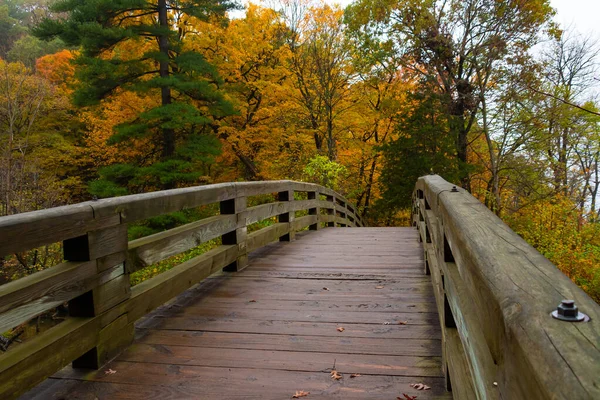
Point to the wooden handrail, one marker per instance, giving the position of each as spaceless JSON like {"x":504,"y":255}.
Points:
{"x":495,"y":294}
{"x":94,"y":278}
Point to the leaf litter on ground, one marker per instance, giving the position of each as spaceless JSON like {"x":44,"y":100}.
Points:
{"x":419,"y":386}
{"x":300,"y":393}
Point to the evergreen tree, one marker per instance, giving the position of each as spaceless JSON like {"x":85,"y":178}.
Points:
{"x":423,"y":145}
{"x":109,"y":34}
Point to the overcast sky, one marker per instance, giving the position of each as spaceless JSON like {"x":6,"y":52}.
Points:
{"x":584,"y":15}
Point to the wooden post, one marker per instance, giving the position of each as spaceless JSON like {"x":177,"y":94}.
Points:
{"x":108,"y":247}
{"x":345,"y":214}
{"x":316,"y":211}
{"x":287,"y":195}
{"x":331,"y":211}
{"x":351,"y":219}
{"x":236,"y":206}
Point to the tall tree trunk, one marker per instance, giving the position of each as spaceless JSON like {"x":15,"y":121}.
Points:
{"x":163,"y":44}
{"x":369,"y":188}
{"x":331,"y":151}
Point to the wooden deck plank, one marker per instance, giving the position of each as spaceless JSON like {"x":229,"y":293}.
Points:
{"x":311,"y":361}
{"x":187,"y":325}
{"x":203,"y":314}
{"x":272,"y":329}
{"x":318,"y":305}
{"x":191,"y":382}
{"x":307,"y":343}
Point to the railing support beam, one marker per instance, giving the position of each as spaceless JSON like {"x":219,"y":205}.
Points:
{"x":107,"y":247}
{"x":316,"y":211}
{"x":238,"y":237}
{"x":288,"y":217}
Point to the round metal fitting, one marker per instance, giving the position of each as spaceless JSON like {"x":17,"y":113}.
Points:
{"x":568,"y":311}
{"x":454,"y":189}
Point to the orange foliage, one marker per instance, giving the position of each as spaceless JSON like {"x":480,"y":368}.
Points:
{"x":57,"y":68}
{"x":100,"y":121}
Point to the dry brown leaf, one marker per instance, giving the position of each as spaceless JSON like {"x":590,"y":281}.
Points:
{"x":252,"y":301}
{"x":378,"y":287}
{"x":406,"y":397}
{"x":419,"y":386}
{"x":402,"y":322}
{"x":325,"y":288}
{"x":110,"y":372}
{"x":354,"y":375}
{"x":335,"y":375}
{"x":340,"y":329}
{"x":300,"y":393}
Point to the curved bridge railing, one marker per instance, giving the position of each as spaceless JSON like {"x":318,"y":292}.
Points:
{"x":495,"y":295}
{"x":94,"y":277}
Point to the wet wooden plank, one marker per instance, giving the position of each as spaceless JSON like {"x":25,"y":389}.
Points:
{"x":158,"y":381}
{"x":185,"y":327}
{"x":273,"y":329}
{"x":332,"y":342}
{"x":317,"y":305}
{"x":352,"y":317}
{"x":345,"y":363}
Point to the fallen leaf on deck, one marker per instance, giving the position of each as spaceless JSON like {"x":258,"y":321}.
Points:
{"x":378,"y":287}
{"x":340,"y":329}
{"x":354,"y":375}
{"x":402,"y":322}
{"x":419,"y":386}
{"x":252,"y":301}
{"x":325,"y":288}
{"x":406,"y":397}
{"x":335,"y":375}
{"x":300,"y":393}
{"x":110,"y":372}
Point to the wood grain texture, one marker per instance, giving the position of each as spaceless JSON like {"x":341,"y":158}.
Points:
{"x":21,"y":232}
{"x":26,"y":365}
{"x":30,"y":296}
{"x":501,"y":294}
{"x":254,"y":335}
{"x":154,"y":248}
{"x":266,"y":235}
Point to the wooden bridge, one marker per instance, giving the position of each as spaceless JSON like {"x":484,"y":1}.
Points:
{"x":460,"y":304}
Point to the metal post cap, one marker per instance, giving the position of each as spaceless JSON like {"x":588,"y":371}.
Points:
{"x":568,"y":311}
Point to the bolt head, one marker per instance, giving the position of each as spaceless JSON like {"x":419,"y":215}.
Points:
{"x":567,"y":308}
{"x":568,"y":311}
{"x":568,"y":303}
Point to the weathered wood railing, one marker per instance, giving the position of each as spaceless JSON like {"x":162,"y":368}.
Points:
{"x":94,"y":278}
{"x":495,"y":294}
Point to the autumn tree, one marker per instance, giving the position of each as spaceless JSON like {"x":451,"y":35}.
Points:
{"x":260,"y":140}
{"x":569,"y":66}
{"x":322,"y":69}
{"x":448,"y":43}
{"x":10,"y":29}
{"x":138,"y":46}
{"x":35,"y":158}
{"x":16,"y":42}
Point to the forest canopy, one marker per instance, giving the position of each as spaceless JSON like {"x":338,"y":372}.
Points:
{"x":104,"y":98}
